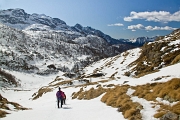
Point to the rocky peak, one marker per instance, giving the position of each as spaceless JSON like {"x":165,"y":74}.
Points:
{"x":18,"y":12}
{"x":78,"y":26}
{"x":18,"y":17}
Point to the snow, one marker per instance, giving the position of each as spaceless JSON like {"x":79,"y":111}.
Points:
{"x":45,"y":108}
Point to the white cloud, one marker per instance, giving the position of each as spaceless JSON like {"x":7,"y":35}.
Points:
{"x":116,"y":24}
{"x":159,"y":28}
{"x":161,"y":16}
{"x":135,"y":27}
{"x":149,"y":28}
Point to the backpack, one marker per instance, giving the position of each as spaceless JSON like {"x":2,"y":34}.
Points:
{"x":59,"y":94}
{"x":63,"y":95}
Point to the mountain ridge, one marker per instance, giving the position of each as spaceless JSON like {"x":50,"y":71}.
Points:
{"x":18,"y":18}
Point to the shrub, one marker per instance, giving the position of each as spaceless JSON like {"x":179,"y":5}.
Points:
{"x":42,"y":91}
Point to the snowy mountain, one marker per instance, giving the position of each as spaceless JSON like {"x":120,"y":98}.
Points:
{"x":138,"y":84}
{"x":18,"y":18}
{"x":35,"y":43}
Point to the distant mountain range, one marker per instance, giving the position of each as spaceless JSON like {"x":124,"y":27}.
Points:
{"x":138,"y":41}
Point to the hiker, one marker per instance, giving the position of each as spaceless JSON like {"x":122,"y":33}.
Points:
{"x":59,"y":96}
{"x":64,"y":98}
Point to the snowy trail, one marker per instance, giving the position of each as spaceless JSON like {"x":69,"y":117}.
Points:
{"x":45,"y":109}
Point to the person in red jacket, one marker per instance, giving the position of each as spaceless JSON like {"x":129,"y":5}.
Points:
{"x":64,"y":97}
{"x":59,"y":96}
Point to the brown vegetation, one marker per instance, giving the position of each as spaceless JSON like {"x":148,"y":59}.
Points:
{"x":4,"y":106}
{"x":89,"y":94}
{"x":154,"y":54}
{"x":167,"y":91}
{"x":41,"y":91}
{"x":117,"y":97}
{"x":176,"y":59}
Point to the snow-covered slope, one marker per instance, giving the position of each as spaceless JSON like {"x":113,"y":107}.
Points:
{"x":96,"y":82}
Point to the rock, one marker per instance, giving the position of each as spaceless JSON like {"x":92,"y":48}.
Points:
{"x":169,"y":116}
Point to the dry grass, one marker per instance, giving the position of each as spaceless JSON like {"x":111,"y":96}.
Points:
{"x":90,"y":94}
{"x":3,"y":113}
{"x":167,"y":91}
{"x":117,"y":97}
{"x":4,"y":103}
{"x":176,"y":59}
{"x":170,"y":58}
{"x":176,"y":108}
{"x":159,"y":114}
{"x":41,"y":91}
{"x":56,"y":80}
{"x":166,"y":108}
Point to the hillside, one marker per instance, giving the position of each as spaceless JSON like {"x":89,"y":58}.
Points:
{"x":139,"y":84}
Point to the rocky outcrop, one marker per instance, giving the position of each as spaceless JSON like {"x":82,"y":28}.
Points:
{"x":170,"y":116}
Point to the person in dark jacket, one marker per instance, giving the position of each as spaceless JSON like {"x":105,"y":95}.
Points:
{"x":59,"y":96}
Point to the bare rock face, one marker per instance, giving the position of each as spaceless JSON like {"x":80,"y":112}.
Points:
{"x":170,"y":116}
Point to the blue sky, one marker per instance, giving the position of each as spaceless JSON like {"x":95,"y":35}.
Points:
{"x":117,"y":18}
